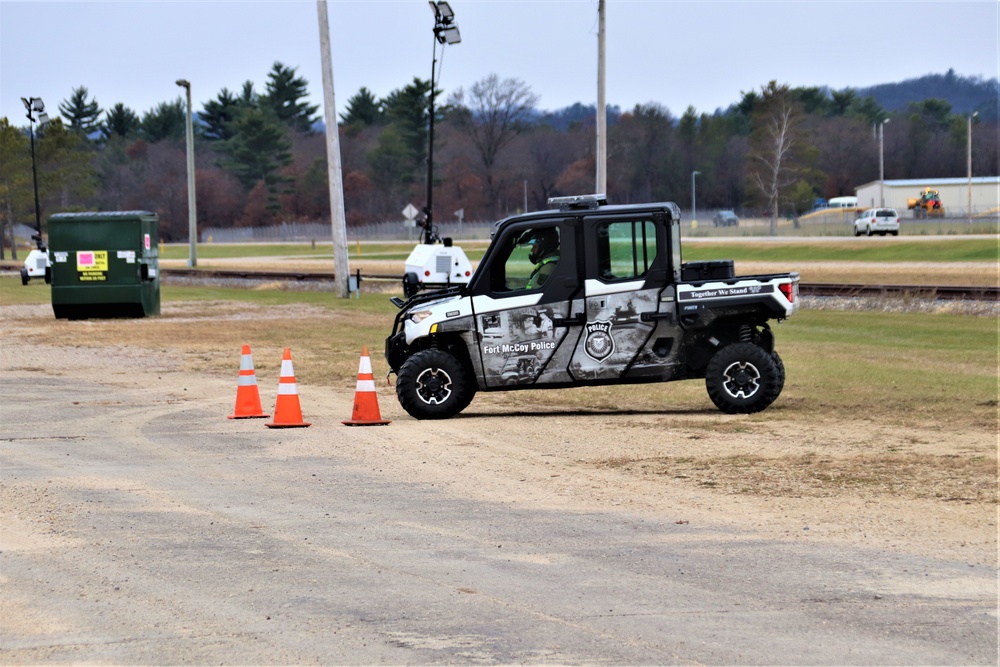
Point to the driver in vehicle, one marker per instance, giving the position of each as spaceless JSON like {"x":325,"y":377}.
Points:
{"x":544,"y":254}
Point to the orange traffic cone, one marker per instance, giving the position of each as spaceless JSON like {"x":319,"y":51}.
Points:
{"x":247,"y":397}
{"x":287,"y":413}
{"x":365,"y":399}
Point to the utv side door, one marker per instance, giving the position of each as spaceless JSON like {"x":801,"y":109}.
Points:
{"x":526,"y":332}
{"x":629,"y":326}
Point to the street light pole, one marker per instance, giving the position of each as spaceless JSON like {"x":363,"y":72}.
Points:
{"x":602,"y":111}
{"x":969,"y":155}
{"x":35,"y":105}
{"x":192,"y":211}
{"x":881,"y":163}
{"x":694,"y":201}
{"x":445,"y":32}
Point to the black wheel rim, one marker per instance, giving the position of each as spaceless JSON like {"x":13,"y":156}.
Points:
{"x":741,"y":380}
{"x":433,"y":386}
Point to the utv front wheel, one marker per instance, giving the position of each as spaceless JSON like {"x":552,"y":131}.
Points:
{"x":433,"y":384}
{"x":743,"y":378}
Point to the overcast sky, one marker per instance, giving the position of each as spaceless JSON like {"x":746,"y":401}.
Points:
{"x":677,"y":53}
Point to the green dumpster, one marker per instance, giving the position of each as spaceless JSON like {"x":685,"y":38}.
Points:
{"x":104,"y":264}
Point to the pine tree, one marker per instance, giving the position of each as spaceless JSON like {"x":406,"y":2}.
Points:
{"x":120,"y":121}
{"x":363,"y":109}
{"x":407,"y":108}
{"x":248,"y":98}
{"x":167,"y":121}
{"x":81,"y":116}
{"x":284,"y":95}
{"x":258,"y":150}
{"x":65,"y":174}
{"x":218,"y":114}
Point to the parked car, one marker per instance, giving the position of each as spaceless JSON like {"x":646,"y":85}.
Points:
{"x":726,"y":219}
{"x":879,"y":221}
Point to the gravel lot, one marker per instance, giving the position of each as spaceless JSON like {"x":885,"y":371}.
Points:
{"x":140,"y":526}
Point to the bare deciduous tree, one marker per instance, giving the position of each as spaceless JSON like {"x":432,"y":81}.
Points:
{"x":775,"y":146}
{"x":496,"y":112}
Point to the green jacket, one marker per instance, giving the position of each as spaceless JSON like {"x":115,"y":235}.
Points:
{"x":542,"y":272}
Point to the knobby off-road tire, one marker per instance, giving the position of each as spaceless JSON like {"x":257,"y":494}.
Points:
{"x":743,"y":378}
{"x":433,"y":384}
{"x":779,"y":366}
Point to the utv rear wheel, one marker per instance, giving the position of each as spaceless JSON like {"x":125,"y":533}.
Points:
{"x":779,"y":367}
{"x":433,"y":384}
{"x":743,"y":378}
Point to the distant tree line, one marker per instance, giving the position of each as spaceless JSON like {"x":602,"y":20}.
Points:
{"x":261,"y":156}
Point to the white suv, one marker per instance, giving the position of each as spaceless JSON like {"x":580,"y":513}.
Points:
{"x":880,"y":221}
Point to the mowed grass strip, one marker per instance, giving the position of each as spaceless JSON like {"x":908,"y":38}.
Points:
{"x":787,"y":250}
{"x":864,"y":249}
{"x":397,"y":251}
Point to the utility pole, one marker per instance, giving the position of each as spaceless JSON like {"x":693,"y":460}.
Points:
{"x":881,"y":163}
{"x":969,"y":155}
{"x":338,"y":219}
{"x":192,"y":206}
{"x":602,"y":111}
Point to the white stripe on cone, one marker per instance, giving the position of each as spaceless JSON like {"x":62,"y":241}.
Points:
{"x":365,"y":366}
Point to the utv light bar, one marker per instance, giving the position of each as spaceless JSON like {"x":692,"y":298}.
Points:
{"x":578,"y":202}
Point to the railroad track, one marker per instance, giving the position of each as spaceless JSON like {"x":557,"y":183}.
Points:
{"x":947,"y":292}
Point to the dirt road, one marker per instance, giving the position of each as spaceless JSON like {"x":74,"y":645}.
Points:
{"x":138,"y":525}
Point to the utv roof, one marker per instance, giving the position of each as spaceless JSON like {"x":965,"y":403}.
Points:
{"x":589,"y":204}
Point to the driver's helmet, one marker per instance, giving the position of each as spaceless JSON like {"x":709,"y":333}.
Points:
{"x":543,"y":242}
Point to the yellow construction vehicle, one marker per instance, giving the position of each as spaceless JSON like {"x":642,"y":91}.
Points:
{"x":927,"y":205}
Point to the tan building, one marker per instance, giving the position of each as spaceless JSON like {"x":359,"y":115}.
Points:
{"x":954,"y":193}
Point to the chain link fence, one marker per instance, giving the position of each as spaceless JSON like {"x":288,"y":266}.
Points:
{"x":322,"y":232}
{"x":825,"y":223}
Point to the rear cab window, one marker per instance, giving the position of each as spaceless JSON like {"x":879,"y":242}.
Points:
{"x":625,"y":249}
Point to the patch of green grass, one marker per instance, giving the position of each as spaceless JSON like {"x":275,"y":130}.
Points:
{"x":859,"y":250}
{"x":13,"y":292}
{"x":272,"y":295}
{"x":893,"y":366}
{"x":395,"y":251}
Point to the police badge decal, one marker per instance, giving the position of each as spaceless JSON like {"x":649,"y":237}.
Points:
{"x":599,"y":344}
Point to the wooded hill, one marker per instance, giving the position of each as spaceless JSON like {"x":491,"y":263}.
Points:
{"x":260,"y":159}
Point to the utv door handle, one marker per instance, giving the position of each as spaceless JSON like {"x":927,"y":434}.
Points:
{"x":569,"y":321}
{"x":653,"y":316}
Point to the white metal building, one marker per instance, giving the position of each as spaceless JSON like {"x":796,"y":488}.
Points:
{"x":954,"y":194}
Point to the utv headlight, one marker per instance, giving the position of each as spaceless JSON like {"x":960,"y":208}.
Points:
{"x":419,"y":316}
